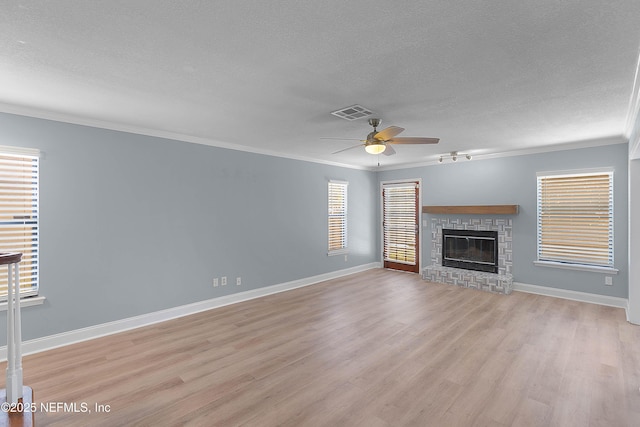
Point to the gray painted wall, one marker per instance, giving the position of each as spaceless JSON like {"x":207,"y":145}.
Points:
{"x":132,"y":224}
{"x":512,"y":180}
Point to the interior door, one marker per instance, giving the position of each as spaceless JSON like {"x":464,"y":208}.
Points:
{"x":400,"y":226}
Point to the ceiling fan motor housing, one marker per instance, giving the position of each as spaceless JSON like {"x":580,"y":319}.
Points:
{"x":371,"y":137}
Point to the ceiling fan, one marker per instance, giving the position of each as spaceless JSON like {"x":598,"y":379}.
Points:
{"x":380,"y":142}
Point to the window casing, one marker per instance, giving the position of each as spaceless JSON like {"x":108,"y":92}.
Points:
{"x":337,"y":202}
{"x":575,"y":218}
{"x":19,"y":181}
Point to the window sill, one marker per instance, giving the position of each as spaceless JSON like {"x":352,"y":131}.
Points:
{"x":579,"y":267}
{"x":25,"y":302}
{"x":338,"y":252}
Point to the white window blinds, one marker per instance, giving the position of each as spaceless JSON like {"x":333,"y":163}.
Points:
{"x":575,"y":218}
{"x":19,"y":215}
{"x":399,"y":222}
{"x":337,"y":216}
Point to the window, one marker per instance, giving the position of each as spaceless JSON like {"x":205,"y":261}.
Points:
{"x":337,"y":217}
{"x":19,"y":215}
{"x":575,"y":218}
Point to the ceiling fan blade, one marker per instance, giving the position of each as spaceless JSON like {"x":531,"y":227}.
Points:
{"x":414,"y":140}
{"x":388,"y":133}
{"x":343,"y":139}
{"x":389,"y":151}
{"x":348,"y":148}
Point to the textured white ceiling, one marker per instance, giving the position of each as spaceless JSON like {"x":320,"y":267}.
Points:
{"x":483,"y":76}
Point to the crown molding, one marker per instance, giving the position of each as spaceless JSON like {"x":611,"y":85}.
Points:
{"x":632,"y":128}
{"x":634,"y":103}
{"x":610,"y":140}
{"x":119,"y":127}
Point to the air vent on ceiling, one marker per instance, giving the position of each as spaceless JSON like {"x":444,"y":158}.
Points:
{"x":352,"y":113}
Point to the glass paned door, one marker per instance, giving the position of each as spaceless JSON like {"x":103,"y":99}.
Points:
{"x":400,"y":226}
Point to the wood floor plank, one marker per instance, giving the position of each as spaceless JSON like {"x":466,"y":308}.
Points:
{"x":379,"y":348}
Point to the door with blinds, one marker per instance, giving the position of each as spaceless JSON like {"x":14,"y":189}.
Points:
{"x":400,"y":226}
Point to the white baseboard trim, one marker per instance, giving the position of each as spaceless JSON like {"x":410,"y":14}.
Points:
{"x":572,"y":295}
{"x":78,"y":335}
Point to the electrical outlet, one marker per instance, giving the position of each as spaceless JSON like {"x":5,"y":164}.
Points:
{"x":238,"y":281}
{"x":608,"y":281}
{"x":345,"y":258}
{"x":215,"y":282}
{"x":223,"y":281}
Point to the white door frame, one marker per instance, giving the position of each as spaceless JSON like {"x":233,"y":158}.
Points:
{"x":381,"y":216}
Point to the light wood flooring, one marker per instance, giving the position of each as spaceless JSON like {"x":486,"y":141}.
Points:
{"x":379,"y":348}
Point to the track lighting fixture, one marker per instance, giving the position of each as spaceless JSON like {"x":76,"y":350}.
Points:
{"x":453,"y":156}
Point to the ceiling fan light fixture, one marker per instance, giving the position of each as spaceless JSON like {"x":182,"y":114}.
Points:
{"x":375,"y":148}
{"x":377,"y":142}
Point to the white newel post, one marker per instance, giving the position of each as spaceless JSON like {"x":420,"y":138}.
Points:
{"x":14,"y":330}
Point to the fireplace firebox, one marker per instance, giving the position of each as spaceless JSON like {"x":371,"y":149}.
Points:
{"x":470,"y":250}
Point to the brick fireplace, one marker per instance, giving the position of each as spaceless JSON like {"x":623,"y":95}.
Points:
{"x":500,"y":281}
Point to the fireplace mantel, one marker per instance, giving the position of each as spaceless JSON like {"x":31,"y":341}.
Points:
{"x":477,"y":209}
